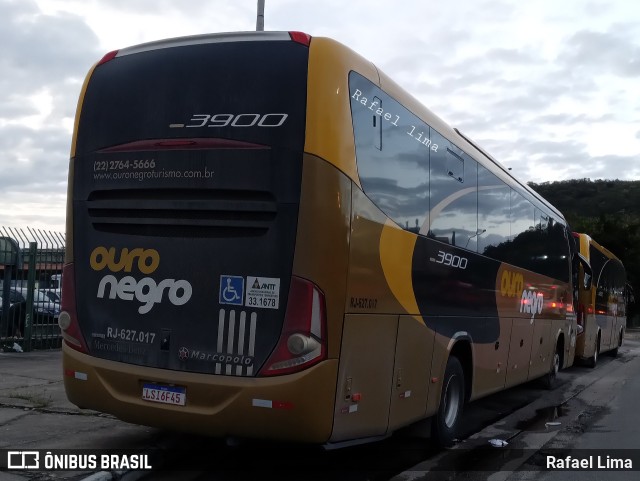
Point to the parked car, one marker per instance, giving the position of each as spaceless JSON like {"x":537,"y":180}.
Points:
{"x":46,"y":309}
{"x":52,"y":294}
{"x":56,"y":282}
{"x":17,"y":312}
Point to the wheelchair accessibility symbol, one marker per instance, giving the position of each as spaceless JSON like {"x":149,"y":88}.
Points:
{"x":231,"y":290}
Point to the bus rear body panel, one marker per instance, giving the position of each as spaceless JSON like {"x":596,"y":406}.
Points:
{"x":191,"y":214}
{"x":186,"y":204}
{"x":296,"y":407}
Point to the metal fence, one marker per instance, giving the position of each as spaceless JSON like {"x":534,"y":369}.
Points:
{"x":30,"y":285}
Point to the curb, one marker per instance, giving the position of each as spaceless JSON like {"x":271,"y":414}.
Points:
{"x":506,"y":430}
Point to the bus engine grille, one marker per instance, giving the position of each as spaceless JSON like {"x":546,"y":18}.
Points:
{"x":182,"y":212}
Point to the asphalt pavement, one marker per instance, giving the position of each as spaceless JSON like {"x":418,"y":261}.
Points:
{"x":36,"y":415}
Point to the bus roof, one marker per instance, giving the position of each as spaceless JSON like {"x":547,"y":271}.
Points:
{"x":205,"y":39}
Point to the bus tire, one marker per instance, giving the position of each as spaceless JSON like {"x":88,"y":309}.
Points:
{"x":614,"y":352}
{"x":550,"y":380}
{"x":593,"y":360}
{"x":446,"y":423}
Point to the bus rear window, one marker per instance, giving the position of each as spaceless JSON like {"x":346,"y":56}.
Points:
{"x":241,"y":91}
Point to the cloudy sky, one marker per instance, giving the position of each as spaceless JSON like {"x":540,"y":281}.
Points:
{"x":551,"y":88}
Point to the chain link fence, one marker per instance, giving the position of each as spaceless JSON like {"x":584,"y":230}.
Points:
{"x":30,"y":286}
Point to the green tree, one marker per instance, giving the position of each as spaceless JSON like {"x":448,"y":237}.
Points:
{"x":608,"y":211}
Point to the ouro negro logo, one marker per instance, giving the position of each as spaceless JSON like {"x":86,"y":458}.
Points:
{"x":145,"y":290}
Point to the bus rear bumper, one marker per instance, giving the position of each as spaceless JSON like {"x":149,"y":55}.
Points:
{"x":296,"y":407}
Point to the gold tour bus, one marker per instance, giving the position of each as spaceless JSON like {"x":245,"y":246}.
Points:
{"x":269,"y":238}
{"x":602,"y":303}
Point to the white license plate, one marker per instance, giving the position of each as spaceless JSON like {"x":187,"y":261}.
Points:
{"x":164,"y":394}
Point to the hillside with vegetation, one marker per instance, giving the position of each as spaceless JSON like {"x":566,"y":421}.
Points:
{"x":607,"y":210}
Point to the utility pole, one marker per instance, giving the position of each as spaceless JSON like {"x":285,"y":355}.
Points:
{"x":260,"y":19}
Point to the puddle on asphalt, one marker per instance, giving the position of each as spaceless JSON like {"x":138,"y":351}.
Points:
{"x":462,"y":461}
{"x":545,"y":419}
{"x":486,"y":457}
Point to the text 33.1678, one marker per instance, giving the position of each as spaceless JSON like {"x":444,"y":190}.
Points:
{"x":261,"y":302}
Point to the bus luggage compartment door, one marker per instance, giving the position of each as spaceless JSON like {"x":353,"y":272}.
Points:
{"x":414,"y":352}
{"x":519,"y":352}
{"x":365,"y":376}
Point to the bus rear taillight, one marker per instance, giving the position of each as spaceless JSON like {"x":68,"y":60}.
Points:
{"x":303,"y":339}
{"x":68,"y":319}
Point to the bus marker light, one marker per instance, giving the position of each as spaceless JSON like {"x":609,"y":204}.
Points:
{"x":434,"y":380}
{"x":82,"y":376}
{"x":262,"y":403}
{"x":301,"y":37}
{"x":356,"y":397}
{"x":349,"y":409}
{"x":269,"y":404}
{"x":108,"y":56}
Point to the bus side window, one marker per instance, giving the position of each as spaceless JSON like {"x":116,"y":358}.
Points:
{"x":377,"y":125}
{"x":575,"y":269}
{"x":587,"y":271}
{"x":493,"y":214}
{"x":393,"y":166}
{"x":453,"y":195}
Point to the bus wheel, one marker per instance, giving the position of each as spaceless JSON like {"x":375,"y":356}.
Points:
{"x":593,"y":360}
{"x":551,"y":378}
{"x":446,"y":423}
{"x":614,"y":352}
